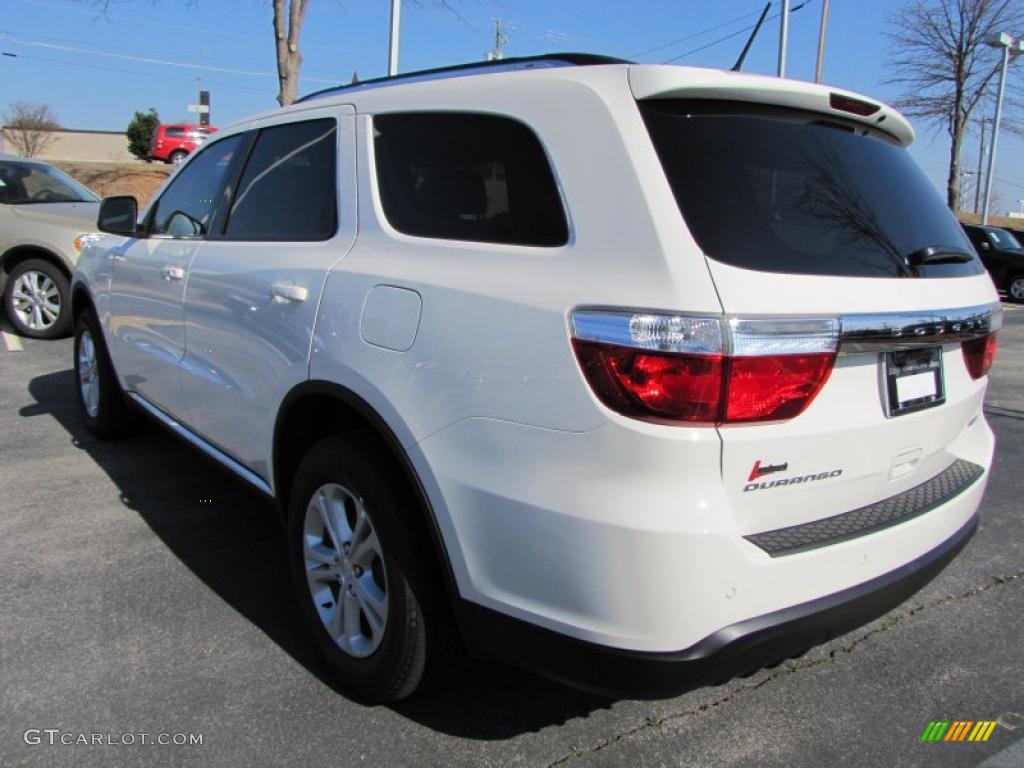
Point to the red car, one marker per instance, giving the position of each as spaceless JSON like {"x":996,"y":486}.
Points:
{"x":172,"y":143}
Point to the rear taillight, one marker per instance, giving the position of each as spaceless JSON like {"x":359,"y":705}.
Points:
{"x":979,"y":354}
{"x":704,"y":370}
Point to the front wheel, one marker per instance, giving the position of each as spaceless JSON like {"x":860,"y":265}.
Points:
{"x":1015,"y":289}
{"x":36,"y":300}
{"x":100,"y":399}
{"x":362,"y":587}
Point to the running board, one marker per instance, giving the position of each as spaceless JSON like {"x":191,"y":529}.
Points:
{"x":214,"y":453}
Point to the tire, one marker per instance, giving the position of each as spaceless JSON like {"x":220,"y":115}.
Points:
{"x":177,"y":157}
{"x":36,"y":299}
{"x":1015,"y":289}
{"x":384,"y":653}
{"x":100,"y":400}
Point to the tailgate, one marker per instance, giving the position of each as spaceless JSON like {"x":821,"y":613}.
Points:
{"x":803,"y":213}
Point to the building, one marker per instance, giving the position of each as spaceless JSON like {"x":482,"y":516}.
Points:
{"x":81,"y":146}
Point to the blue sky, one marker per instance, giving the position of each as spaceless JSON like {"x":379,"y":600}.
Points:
{"x":86,"y":65}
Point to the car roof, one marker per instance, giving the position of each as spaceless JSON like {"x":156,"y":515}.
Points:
{"x":17,"y":158}
{"x":646,"y":81}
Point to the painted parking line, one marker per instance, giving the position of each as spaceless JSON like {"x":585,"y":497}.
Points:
{"x":11,"y":342}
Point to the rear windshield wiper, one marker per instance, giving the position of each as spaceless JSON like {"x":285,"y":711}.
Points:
{"x":937,"y":254}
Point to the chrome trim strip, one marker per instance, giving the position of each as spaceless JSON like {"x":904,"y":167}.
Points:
{"x":214,"y":453}
{"x":892,"y":331}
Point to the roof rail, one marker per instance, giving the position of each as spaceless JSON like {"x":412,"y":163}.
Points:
{"x":471,"y":68}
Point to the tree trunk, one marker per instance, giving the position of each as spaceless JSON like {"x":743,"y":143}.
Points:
{"x":953,"y":180}
{"x":288,"y":18}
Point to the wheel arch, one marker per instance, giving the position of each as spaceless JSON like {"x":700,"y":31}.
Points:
{"x":316,"y":409}
{"x":80,"y":301}
{"x":14,"y":256}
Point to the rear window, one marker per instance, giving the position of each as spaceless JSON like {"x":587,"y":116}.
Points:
{"x":781,"y":190}
{"x":462,"y":176}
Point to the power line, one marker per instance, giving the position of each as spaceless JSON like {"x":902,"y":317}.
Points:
{"x":794,"y":9}
{"x":148,"y":60}
{"x":65,"y":63}
{"x":693,"y":35}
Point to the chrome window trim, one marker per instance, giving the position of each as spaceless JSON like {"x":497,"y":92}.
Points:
{"x":893,"y":331}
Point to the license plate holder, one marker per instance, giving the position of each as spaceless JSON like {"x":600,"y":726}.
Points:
{"x":913,"y":380}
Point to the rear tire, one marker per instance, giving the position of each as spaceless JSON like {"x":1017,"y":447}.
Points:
{"x":366,"y":593}
{"x":1015,"y":289}
{"x":36,"y":300}
{"x":100,"y":400}
{"x":177,"y":157}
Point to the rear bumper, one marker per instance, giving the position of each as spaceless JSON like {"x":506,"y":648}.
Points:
{"x":736,"y":650}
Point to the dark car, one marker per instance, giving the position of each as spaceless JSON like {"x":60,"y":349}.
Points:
{"x":1003,"y":257}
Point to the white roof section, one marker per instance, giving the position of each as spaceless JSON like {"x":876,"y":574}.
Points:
{"x":646,"y":81}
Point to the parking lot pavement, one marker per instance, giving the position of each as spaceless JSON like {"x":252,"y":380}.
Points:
{"x":142,"y":590}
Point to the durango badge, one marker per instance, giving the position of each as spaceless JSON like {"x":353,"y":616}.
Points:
{"x":760,"y":470}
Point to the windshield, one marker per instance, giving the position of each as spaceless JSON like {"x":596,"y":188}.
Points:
{"x":1004,"y":240}
{"x":782,"y":190}
{"x":22,"y":183}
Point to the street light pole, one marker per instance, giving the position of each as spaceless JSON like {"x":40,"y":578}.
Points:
{"x":821,"y":42}
{"x":396,"y":14}
{"x":783,"y":38}
{"x":1008,"y":44}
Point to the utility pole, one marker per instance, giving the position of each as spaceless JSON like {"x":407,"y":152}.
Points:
{"x":1008,"y":46}
{"x":821,"y":42}
{"x":981,"y":161}
{"x":500,"y":38}
{"x":396,"y":15}
{"x":783,"y":38}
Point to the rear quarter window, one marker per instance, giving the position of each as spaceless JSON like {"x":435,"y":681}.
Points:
{"x":464,"y":176}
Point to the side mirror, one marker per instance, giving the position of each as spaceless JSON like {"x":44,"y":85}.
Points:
{"x":118,"y":215}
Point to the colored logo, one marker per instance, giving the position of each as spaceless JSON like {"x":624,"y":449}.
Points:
{"x":958,"y":730}
{"x":767,"y":469}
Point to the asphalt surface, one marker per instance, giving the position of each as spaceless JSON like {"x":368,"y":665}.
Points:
{"x":143,"y":590}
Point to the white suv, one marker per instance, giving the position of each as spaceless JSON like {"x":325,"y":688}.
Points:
{"x":637,"y":376}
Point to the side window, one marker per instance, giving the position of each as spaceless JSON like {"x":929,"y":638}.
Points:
{"x":464,"y":176}
{"x":185,"y":209}
{"x":287,"y":191}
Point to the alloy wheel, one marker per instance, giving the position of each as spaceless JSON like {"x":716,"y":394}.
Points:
{"x":88,"y":374}
{"x":345,"y":570}
{"x":35,"y":300}
{"x":1016,"y":290}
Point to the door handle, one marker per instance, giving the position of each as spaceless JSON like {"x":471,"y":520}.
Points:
{"x":173,"y":273}
{"x":282,"y":292}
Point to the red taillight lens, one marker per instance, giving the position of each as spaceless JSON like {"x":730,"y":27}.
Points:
{"x":653,"y":385}
{"x":979,"y":354}
{"x":663,"y":367}
{"x":774,"y":387}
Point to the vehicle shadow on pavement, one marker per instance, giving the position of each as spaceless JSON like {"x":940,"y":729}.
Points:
{"x":219,"y":527}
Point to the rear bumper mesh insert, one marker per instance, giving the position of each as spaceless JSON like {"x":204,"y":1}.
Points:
{"x":858,"y":522}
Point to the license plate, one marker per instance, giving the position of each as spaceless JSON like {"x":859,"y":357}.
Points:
{"x":913,"y":380}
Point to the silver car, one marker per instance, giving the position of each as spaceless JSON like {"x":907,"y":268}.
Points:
{"x":44,"y":216}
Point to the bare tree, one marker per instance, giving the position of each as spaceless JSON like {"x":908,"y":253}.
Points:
{"x":944,"y":66}
{"x":30,"y":127}
{"x":288,"y":18}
